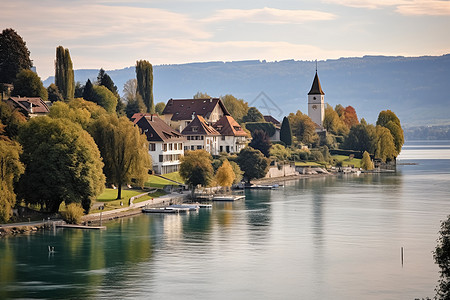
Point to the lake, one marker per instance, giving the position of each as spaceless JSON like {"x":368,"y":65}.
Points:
{"x":336,"y":237}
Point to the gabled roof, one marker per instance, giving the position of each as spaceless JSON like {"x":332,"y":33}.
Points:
{"x":183,"y":109}
{"x":199,"y":126}
{"x":272,"y":120}
{"x":316,"y":89}
{"x":157,"y":130}
{"x":228,"y":126}
{"x":137,"y":116}
{"x":29,"y":105}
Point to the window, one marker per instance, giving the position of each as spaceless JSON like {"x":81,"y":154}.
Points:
{"x":186,"y":148}
{"x":228,"y":149}
{"x":170,"y":147}
{"x":165,"y":147}
{"x":221,"y":149}
{"x":194,"y":128}
{"x":189,"y":137}
{"x":180,"y":146}
{"x":192,"y":148}
{"x":223,"y":138}
{"x":199,"y":147}
{"x":202,"y":137}
{"x":152,"y":147}
{"x":161,"y":158}
{"x":175,"y":146}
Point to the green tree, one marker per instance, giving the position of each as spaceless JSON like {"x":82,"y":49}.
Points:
{"x":105,"y":80}
{"x":253,"y":163}
{"x":64,"y":77}
{"x":104,"y":97}
{"x":333,"y":123}
{"x":261,"y":142}
{"x":237,"y":108}
{"x":303,"y":128}
{"x":124,"y":151}
{"x":11,"y":168}
{"x":62,"y":162}
{"x":384,"y":144}
{"x":159,"y":107}
{"x":201,"y":95}
{"x":388,"y":119}
{"x":88,"y":91}
{"x":225,"y":175}
{"x":135,"y":105}
{"x":196,"y":168}
{"x":361,"y":137}
{"x":144,"y":77}
{"x":14,"y":55}
{"x":441,"y":257}
{"x":237,"y":172}
{"x":286,"y":132}
{"x":253,"y":115}
{"x":79,"y":89}
{"x":366,"y":162}
{"x":53,"y":93}
{"x":280,"y":152}
{"x":29,"y":84}
{"x":62,"y":110}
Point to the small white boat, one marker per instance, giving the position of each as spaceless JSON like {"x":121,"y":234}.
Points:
{"x":161,"y":210}
{"x":227,"y":198}
{"x":184,"y":207}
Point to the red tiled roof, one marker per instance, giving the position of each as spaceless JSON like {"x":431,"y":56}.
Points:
{"x":137,"y":116}
{"x":272,"y":120}
{"x":30,"y":105}
{"x":199,"y":126}
{"x":227,"y":125}
{"x":157,"y":130}
{"x":183,"y":109}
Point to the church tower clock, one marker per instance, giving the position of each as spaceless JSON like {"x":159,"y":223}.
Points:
{"x":316,"y":104}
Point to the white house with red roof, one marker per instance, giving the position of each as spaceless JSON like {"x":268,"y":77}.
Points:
{"x":200,"y":135}
{"x":232,"y":137}
{"x":29,"y":106}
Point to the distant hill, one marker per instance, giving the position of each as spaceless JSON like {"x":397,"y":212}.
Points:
{"x":417,"y":89}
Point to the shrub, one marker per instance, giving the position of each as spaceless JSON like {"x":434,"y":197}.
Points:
{"x":73,"y":213}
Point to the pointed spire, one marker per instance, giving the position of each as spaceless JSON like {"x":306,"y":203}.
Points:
{"x":316,"y":89}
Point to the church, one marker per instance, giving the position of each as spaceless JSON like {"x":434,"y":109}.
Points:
{"x":316,"y":104}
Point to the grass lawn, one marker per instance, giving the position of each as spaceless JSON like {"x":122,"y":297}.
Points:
{"x":109,"y":197}
{"x":158,"y":182}
{"x":346,"y":162}
{"x":307,"y":163}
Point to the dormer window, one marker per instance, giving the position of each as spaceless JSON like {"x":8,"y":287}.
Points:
{"x":194,"y":128}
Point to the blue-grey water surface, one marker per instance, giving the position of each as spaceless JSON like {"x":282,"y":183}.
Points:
{"x":336,"y":237}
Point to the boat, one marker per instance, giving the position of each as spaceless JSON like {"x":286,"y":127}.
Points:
{"x":227,"y":197}
{"x":161,"y":210}
{"x":262,"y":187}
{"x":188,"y":207}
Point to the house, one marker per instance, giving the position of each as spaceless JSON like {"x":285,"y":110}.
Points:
{"x":178,"y":113}
{"x":29,"y":106}
{"x":276,"y":136}
{"x":166,"y":145}
{"x":200,"y":135}
{"x":232,"y":137}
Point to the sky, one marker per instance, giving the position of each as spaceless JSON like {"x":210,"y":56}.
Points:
{"x":114,"y":34}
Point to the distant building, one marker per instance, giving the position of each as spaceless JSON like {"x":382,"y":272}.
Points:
{"x":316,"y":104}
{"x":200,"y":135}
{"x":166,"y":145}
{"x":276,"y":136}
{"x":232,"y":137}
{"x":178,"y":113}
{"x":29,"y":106}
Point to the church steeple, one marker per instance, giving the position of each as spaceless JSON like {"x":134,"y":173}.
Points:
{"x":316,"y":89}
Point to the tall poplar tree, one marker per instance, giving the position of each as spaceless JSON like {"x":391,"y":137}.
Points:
{"x":64,"y":76}
{"x":144,"y":76}
{"x":14,"y":55}
{"x":286,"y":132}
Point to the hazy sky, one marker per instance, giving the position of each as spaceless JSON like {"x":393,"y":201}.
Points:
{"x":114,"y":34}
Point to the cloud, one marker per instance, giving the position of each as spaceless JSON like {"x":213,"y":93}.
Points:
{"x":270,"y":16}
{"x":403,"y":7}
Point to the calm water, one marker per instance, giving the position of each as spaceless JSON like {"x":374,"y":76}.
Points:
{"x":323,"y":238}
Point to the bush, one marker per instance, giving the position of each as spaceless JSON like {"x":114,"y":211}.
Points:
{"x":73,"y":213}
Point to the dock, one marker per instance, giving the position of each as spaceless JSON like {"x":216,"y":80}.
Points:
{"x":228,"y":198}
{"x":74,"y":226}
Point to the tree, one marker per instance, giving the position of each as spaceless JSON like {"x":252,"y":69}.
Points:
{"x":361,"y":137}
{"x":253,"y":163}
{"x":136,"y":105}
{"x":441,"y":257}
{"x":88,"y":91}
{"x":159,"y":107}
{"x":196,"y":168}
{"x":29,"y":84}
{"x":286,"y":132}
{"x":124,"y":150}
{"x":11,"y":168}
{"x":62,"y":110}
{"x":303,"y":128}
{"x":130,"y":89}
{"x":53,"y":93}
{"x":388,"y":119}
{"x":201,"y":95}
{"x":64,"y":77}
{"x":225,"y":175}
{"x":104,"y":97}
{"x":62,"y":162}
{"x":366,"y":162}
{"x":11,"y":119}
{"x":350,"y":117}
{"x":14,"y":55}
{"x":144,"y":77}
{"x":237,"y":172}
{"x":384,"y":144}
{"x":333,"y":123}
{"x":253,"y":115}
{"x":105,"y":80}
{"x":237,"y":108}
{"x":79,"y":89}
{"x":261,"y":142}
{"x":280,"y":152}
